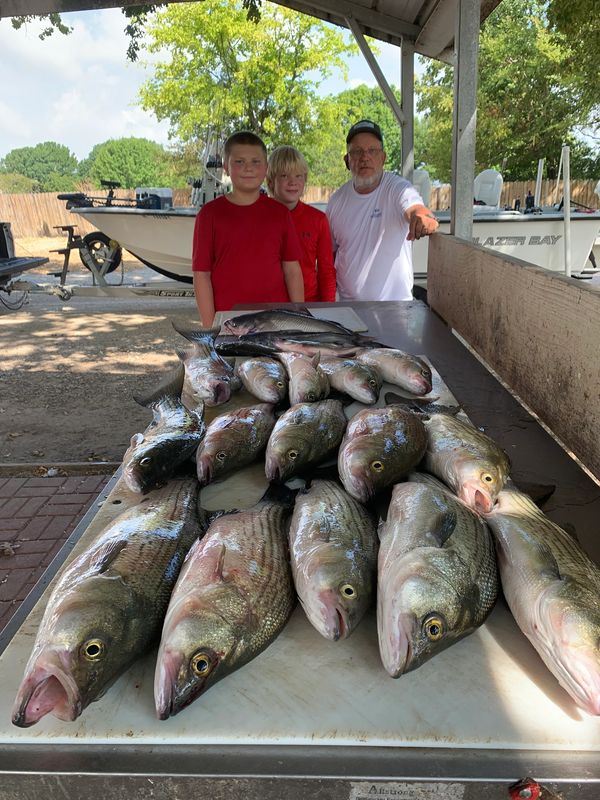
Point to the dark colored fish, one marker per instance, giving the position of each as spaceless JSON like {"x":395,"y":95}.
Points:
{"x":281,"y":319}
{"x":293,"y":341}
{"x":171,"y":439}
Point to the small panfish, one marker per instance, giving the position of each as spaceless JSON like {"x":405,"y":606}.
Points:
{"x":282,"y":319}
{"x":233,"y":597}
{"x":467,"y":460}
{"x":380,"y":447}
{"x":333,"y":549}
{"x":209,"y":379}
{"x":233,"y":440}
{"x":108,"y":605}
{"x":292,"y":341}
{"x":553,"y":591}
{"x":358,"y":380}
{"x":437,"y":577}
{"x":169,"y":440}
{"x":265,"y":378}
{"x":402,"y":369}
{"x":305,"y":435}
{"x":308,"y":382}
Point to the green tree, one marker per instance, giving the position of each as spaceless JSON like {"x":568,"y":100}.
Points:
{"x":528,"y":101}
{"x":226,"y":73}
{"x":324,"y":144}
{"x":40,"y":162}
{"x":13,"y":183}
{"x":577,"y":22}
{"x":130,"y":161}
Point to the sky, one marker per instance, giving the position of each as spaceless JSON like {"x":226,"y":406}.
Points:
{"x":80,"y":90}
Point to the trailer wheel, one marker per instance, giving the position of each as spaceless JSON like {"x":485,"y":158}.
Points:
{"x":102,"y":250}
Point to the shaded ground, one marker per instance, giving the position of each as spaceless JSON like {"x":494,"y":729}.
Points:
{"x":68,"y":370}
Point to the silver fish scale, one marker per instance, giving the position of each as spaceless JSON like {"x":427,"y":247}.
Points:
{"x":156,"y":535}
{"x":338,"y":518}
{"x":527,"y":524}
{"x":264,"y":585}
{"x":442,"y":518}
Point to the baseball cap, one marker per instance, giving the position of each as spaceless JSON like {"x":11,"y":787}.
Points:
{"x":364,"y":126}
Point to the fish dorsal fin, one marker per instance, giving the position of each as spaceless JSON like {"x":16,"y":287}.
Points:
{"x":136,"y":439}
{"x":315,"y":359}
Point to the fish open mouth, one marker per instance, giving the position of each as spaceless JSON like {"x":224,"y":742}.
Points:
{"x":48,"y":690}
{"x":476,"y":498}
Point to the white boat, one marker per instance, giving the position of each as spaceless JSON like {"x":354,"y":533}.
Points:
{"x":161,"y":237}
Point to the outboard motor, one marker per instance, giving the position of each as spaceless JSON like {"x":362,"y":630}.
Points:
{"x":7,"y":243}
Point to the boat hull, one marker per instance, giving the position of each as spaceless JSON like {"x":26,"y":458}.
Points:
{"x":163,"y":239}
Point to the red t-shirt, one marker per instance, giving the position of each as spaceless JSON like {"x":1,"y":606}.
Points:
{"x":243,"y":247}
{"x":318,"y":270}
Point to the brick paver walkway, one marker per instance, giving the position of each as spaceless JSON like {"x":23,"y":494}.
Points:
{"x":36,"y":517}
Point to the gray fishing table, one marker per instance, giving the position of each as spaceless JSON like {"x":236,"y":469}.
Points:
{"x":315,"y":719}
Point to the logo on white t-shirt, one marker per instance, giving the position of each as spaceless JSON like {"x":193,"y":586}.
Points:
{"x":376,"y":213}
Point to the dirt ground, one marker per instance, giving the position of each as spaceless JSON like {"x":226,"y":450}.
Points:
{"x":68,"y":371}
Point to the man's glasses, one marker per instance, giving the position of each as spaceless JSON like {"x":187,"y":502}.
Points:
{"x":359,"y":152}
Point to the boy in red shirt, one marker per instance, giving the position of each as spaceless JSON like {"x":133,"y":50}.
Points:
{"x":286,"y":179}
{"x":245,"y":247}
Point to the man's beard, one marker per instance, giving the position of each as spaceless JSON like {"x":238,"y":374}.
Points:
{"x":368,"y":181}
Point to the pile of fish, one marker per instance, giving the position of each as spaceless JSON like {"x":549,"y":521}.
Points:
{"x":215,"y":589}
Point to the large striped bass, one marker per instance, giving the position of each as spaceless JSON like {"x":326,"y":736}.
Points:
{"x":553,"y":591}
{"x":108,"y":605}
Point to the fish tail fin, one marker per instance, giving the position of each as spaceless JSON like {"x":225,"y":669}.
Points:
{"x":194,"y":332}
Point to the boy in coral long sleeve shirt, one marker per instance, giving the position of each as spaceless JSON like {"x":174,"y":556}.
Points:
{"x":286,"y":179}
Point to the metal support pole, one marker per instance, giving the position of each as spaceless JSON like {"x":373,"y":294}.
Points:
{"x":407,"y":81}
{"x":465,"y":117}
{"x":376,"y":69}
{"x":538,"y":183}
{"x":567,"y":206}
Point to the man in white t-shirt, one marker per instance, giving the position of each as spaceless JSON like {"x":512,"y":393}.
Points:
{"x":373,"y":219}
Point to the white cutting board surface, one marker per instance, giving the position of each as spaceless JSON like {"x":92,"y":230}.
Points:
{"x":343,"y":314}
{"x":491,"y":690}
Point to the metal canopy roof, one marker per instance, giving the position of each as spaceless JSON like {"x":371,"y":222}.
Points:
{"x":427,"y":24}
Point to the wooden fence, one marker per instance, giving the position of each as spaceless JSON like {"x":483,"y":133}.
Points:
{"x":38,"y":214}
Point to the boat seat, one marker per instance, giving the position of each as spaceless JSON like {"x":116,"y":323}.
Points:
{"x":487,"y":188}
{"x":422,"y":183}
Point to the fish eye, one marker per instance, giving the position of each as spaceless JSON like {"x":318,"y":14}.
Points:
{"x":292,"y":455}
{"x":145,"y":462}
{"x":348,"y":591}
{"x":377,"y":466}
{"x":372,"y":383}
{"x":433,"y":628}
{"x":221,"y":455}
{"x":485,"y":476}
{"x":93,"y":649}
{"x":280,"y":384}
{"x":425,"y":373}
{"x":311,"y":396}
{"x":200,"y":664}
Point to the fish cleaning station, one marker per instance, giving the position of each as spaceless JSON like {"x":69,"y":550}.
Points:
{"x":516,"y":348}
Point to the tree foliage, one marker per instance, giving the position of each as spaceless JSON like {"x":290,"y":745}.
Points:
{"x":528,"y":101}
{"x":13,"y":183}
{"x":324,"y":145}
{"x":225,"y":73}
{"x":130,"y":161}
{"x":50,"y":164}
